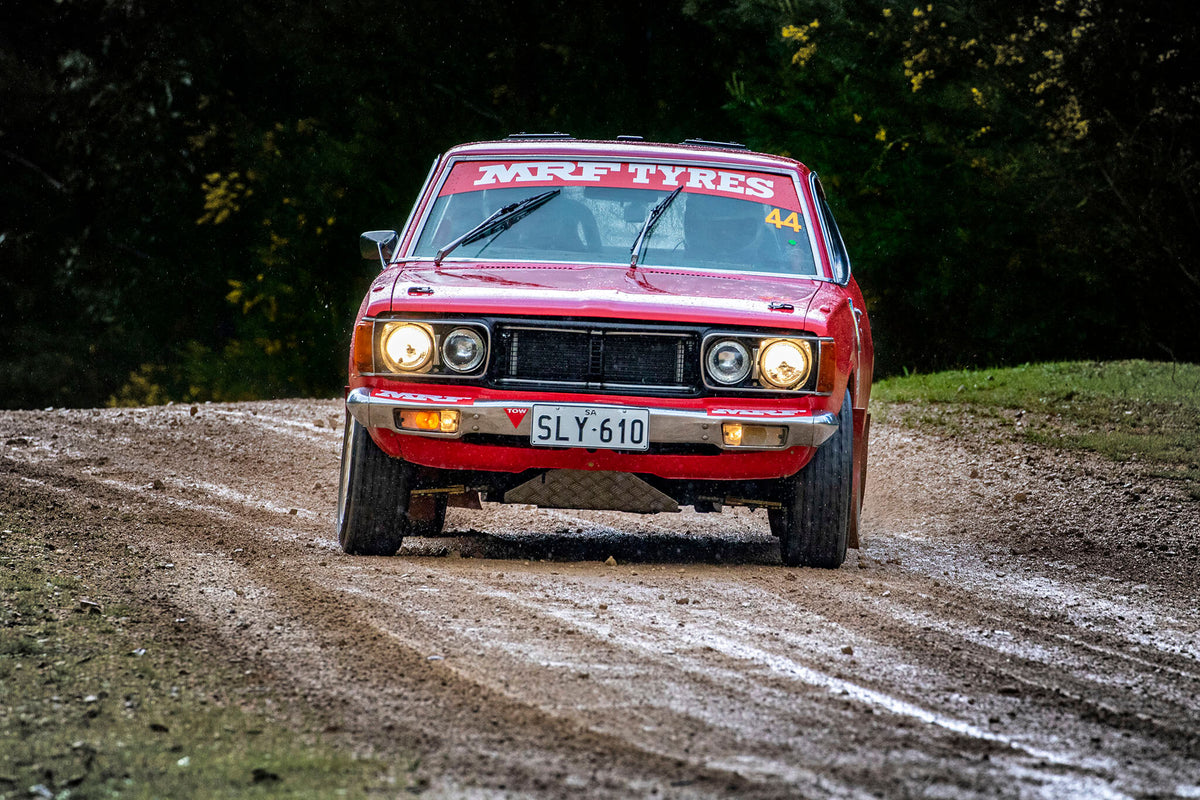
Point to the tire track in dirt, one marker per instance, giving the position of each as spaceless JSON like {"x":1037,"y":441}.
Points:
{"x":941,"y":659}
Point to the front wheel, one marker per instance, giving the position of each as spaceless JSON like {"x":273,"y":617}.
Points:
{"x":813,"y":524}
{"x":372,"y":495}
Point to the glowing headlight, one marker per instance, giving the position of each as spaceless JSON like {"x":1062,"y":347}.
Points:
{"x":462,"y":350}
{"x":785,"y":364}
{"x":728,"y":362}
{"x":406,"y":348}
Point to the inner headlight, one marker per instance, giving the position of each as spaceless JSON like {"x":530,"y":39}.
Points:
{"x":728,"y":362}
{"x":785,"y":363}
{"x":406,"y":348}
{"x":462,"y":350}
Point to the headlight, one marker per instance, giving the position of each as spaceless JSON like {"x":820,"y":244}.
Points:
{"x":462,"y":350}
{"x":406,"y":348}
{"x":785,"y":363}
{"x":728,"y":362}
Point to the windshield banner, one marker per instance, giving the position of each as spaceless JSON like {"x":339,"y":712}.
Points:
{"x":473,"y":176}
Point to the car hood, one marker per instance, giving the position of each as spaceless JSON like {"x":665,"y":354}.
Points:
{"x":603,"y":291}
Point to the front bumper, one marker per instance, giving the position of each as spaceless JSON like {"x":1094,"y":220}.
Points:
{"x":378,"y":409}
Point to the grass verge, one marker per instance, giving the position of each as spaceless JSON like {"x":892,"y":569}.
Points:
{"x":1125,"y":410}
{"x":97,"y":702}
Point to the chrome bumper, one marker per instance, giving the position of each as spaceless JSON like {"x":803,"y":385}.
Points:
{"x":667,"y":425}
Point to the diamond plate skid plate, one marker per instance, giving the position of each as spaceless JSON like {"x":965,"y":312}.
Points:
{"x":584,"y":489}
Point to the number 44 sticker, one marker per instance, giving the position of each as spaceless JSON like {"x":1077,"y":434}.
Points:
{"x":792,"y":220}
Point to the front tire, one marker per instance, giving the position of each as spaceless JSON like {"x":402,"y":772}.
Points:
{"x":813,"y":525}
{"x":372,"y":495}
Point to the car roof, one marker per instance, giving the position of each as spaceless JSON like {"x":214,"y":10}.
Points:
{"x":554,"y":146}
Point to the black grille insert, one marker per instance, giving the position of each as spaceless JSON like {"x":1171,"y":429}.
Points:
{"x":598,"y":358}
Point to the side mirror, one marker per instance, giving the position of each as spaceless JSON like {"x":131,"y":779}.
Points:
{"x":378,"y":245}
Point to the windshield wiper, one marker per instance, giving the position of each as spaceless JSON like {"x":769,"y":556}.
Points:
{"x":651,"y":220}
{"x":502,"y":218}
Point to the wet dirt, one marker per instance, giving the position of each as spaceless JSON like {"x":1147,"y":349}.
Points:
{"x":1018,"y":623}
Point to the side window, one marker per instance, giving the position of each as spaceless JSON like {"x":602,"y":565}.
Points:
{"x":839,"y":259}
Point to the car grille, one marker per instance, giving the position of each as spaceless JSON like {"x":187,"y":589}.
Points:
{"x":597,"y":358}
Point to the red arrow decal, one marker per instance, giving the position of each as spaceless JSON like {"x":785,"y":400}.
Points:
{"x":516,"y":415}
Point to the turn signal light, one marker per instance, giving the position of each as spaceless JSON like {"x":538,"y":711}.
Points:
{"x":443,"y":421}
{"x":735,"y":434}
{"x":364,"y":348}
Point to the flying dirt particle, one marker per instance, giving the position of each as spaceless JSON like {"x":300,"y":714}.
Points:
{"x":193,"y":411}
{"x":848,"y":650}
{"x":610,"y":561}
{"x":682,"y":601}
{"x":90,"y":607}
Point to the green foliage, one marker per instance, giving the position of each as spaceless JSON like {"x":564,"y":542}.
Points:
{"x":183,"y":185}
{"x":1016,"y":181}
{"x":1123,"y":410}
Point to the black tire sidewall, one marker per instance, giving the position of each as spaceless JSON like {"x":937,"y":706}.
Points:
{"x":373,"y":495}
{"x":816,"y":518}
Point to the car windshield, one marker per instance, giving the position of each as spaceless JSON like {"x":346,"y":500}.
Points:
{"x":723,"y":220}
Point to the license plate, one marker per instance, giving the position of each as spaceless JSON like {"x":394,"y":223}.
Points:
{"x":597,"y":427}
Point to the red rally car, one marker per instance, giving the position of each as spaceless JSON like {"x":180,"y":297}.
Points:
{"x":610,"y":325}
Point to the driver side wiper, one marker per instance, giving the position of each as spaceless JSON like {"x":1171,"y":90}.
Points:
{"x":502,"y":218}
{"x":651,"y":220}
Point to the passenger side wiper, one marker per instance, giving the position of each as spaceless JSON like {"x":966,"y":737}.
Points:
{"x":651,"y":220}
{"x":500,"y":220}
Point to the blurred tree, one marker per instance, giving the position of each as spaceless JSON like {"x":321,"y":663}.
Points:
{"x":183,"y":184}
{"x":1018,"y":178}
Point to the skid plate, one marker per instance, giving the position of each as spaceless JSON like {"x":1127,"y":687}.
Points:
{"x":585,"y":489}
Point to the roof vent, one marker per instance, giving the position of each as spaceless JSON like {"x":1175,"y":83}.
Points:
{"x":555,"y":135}
{"x":710,"y":143}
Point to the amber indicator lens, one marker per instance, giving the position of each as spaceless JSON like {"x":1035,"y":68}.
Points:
{"x":440,"y":421}
{"x":736,"y":434}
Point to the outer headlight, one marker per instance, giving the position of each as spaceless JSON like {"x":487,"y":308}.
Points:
{"x":785,"y":363}
{"x":728,"y":362}
{"x":406,"y":347}
{"x":462,"y":350}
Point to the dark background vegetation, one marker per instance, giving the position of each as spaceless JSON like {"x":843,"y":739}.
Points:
{"x":182,"y":184}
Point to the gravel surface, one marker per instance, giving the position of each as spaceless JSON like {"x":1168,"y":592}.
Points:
{"x":1018,"y":623}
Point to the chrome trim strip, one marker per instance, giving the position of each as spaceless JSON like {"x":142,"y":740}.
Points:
{"x":667,"y":425}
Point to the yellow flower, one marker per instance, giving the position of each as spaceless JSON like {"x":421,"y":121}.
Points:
{"x":881,"y":135}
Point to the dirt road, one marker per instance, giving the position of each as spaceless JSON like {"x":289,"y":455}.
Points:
{"x":1016,"y":624}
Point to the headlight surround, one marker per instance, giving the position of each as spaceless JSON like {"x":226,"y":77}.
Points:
{"x":406,"y":347}
{"x":785,"y":363}
{"x":727,"y":362}
{"x":463,"y":350}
